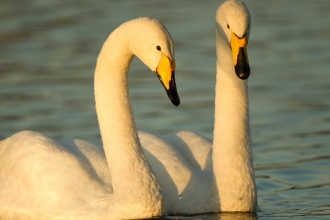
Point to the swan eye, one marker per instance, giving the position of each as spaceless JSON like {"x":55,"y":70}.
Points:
{"x":228,"y":26}
{"x":158,"y":48}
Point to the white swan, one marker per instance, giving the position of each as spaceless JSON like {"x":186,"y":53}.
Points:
{"x":195,"y":175}
{"x":44,"y":179}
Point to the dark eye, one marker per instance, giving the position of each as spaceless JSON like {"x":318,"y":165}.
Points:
{"x":228,"y":26}
{"x":158,"y":48}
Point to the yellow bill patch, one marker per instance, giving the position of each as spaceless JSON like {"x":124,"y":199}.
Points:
{"x":235,"y":44}
{"x":165,"y":69}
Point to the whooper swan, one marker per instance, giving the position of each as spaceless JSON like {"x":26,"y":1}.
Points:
{"x":195,"y":175}
{"x":44,"y":179}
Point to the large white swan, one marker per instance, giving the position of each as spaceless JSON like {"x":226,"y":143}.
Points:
{"x":44,"y":179}
{"x":195,"y":175}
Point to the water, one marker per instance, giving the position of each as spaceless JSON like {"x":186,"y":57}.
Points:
{"x":48,"y":51}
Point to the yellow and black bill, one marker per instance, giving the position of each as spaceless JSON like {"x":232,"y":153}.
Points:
{"x":240,"y":56}
{"x":165,"y":72}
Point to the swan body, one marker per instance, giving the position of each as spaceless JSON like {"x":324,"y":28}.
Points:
{"x":44,"y":179}
{"x":196,"y":175}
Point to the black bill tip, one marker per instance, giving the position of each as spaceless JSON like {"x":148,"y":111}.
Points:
{"x":242,"y":67}
{"x":175,"y":99}
{"x":172,"y":93}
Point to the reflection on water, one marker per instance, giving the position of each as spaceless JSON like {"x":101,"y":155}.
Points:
{"x":222,"y":216}
{"x":48,"y":51}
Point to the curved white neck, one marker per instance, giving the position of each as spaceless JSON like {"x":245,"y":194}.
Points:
{"x":232,"y":156}
{"x":132,"y":178}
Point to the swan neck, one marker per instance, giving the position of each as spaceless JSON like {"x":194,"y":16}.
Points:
{"x":232,"y":156}
{"x":231,"y":128}
{"x":133,"y":181}
{"x":113,"y":108}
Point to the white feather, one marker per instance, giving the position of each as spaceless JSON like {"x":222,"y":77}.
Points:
{"x":44,"y":179}
{"x":196,"y":175}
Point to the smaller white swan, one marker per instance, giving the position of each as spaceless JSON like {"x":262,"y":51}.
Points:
{"x":196,"y":175}
{"x":44,"y":179}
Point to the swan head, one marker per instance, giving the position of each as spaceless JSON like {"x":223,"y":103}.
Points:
{"x":152,"y":44}
{"x":234,"y":24}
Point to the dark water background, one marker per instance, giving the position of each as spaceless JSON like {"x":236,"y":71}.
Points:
{"x":48,"y":51}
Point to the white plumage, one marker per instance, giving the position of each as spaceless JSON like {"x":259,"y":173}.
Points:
{"x":196,"y":175}
{"x":44,"y":179}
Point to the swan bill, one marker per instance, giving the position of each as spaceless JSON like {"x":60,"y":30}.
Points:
{"x":242,"y":67}
{"x":240,"y":56}
{"x":165,"y":73}
{"x":165,"y":69}
{"x":172,"y":93}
